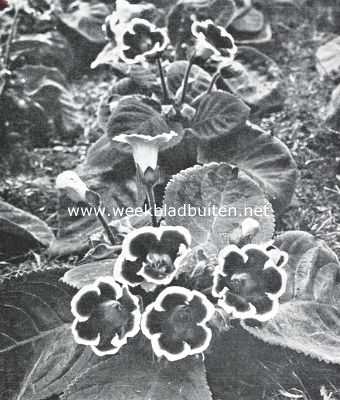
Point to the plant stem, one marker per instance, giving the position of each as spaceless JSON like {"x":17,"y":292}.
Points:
{"x":186,"y":79}
{"x":213,"y":81}
{"x":8,"y":50}
{"x":107,"y":228}
{"x":166,"y":98}
{"x":152,"y":204}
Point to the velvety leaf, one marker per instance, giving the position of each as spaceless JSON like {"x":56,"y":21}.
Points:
{"x":21,"y":231}
{"x":214,"y":186}
{"x":86,"y":274}
{"x":133,"y":115}
{"x":240,"y":366}
{"x":38,"y":354}
{"x":263,"y":157}
{"x":309,"y":317}
{"x":50,"y":49}
{"x":260,"y":83}
{"x":219,"y":114}
{"x":179,"y":19}
{"x":48,"y":88}
{"x":199,"y":79}
{"x":135,"y":376}
{"x":86,"y":19}
{"x":328,"y":58}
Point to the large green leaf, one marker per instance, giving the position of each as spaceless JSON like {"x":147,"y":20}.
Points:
{"x":215,"y":187}
{"x":199,"y":79}
{"x":263,"y":157}
{"x":50,"y":49}
{"x":48,"y":87}
{"x":21,"y":231}
{"x":133,"y":115}
{"x":86,"y":274}
{"x":86,"y":19}
{"x":260,"y":82}
{"x":132,"y":374}
{"x":219,"y":114}
{"x":38,"y":356}
{"x":309,"y":317}
{"x":240,"y":366}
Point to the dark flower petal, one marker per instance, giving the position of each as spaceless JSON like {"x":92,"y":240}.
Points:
{"x":233,"y":262}
{"x":87,"y":330}
{"x":142,"y":244}
{"x":170,"y":345}
{"x":171,"y":301}
{"x":272,"y":280}
{"x":130,"y":269}
{"x":221,"y":283}
{"x":214,"y":36}
{"x":263,"y":304}
{"x":198,"y":309}
{"x":256,"y":259}
{"x":198,"y":338}
{"x":127,"y":301}
{"x":170,"y":243}
{"x":233,"y":300}
{"x":106,"y":346}
{"x":155,"y":321}
{"x":107,"y":291}
{"x":87,"y":303}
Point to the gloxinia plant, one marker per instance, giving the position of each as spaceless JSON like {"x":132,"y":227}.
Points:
{"x":106,"y":315}
{"x":177,"y":323}
{"x":248,"y":283}
{"x":152,"y":255}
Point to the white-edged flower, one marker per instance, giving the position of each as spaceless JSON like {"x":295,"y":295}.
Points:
{"x":213,"y":41}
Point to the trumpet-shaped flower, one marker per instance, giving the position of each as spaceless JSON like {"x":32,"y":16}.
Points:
{"x":140,"y":41}
{"x":248,"y":282}
{"x":213,"y":41}
{"x":152,"y":255}
{"x":75,"y":188}
{"x":176,"y":323}
{"x":145,"y":148}
{"x":106,"y":315}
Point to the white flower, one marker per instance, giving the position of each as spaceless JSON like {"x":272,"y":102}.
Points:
{"x":74,"y":187}
{"x":145,"y":148}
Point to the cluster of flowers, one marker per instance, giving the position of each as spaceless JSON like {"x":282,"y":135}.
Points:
{"x":136,"y":40}
{"x":248,"y":282}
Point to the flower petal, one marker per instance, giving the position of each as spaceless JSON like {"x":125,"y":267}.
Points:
{"x":142,"y":243}
{"x":173,"y":300}
{"x":127,"y":271}
{"x":85,"y":332}
{"x":237,"y":302}
{"x":154,"y":321}
{"x":171,"y":240}
{"x":256,"y":258}
{"x":198,"y":309}
{"x":272,"y":280}
{"x":199,"y":339}
{"x":263,"y":305}
{"x":232,"y":262}
{"x":169,"y":345}
{"x":85,"y":302}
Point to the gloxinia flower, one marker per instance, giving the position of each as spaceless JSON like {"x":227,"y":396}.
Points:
{"x":74,"y":187}
{"x":176,"y":323}
{"x":152,"y":255}
{"x":106,"y":316}
{"x":140,"y":41}
{"x":145,"y":148}
{"x":248,"y":282}
{"x":213,"y":41}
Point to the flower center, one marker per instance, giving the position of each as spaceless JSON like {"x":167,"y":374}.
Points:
{"x":113,"y":314}
{"x":158,"y":265}
{"x":243,"y":284}
{"x":181,"y":322}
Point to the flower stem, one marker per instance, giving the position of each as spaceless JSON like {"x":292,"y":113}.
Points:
{"x":152,"y":203}
{"x":186,"y":79}
{"x":107,"y":228}
{"x":213,"y":81}
{"x":166,"y":98}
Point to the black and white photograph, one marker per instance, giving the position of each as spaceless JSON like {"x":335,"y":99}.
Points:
{"x":169,"y":199}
